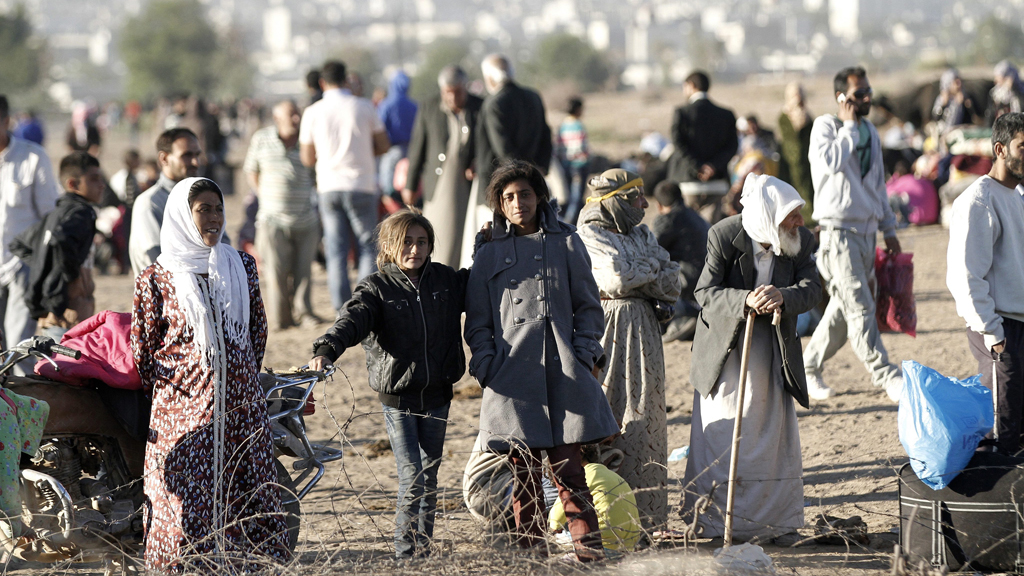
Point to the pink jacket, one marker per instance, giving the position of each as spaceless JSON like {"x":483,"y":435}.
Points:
{"x":106,"y":354}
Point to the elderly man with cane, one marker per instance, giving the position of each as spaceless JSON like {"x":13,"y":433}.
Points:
{"x":759,"y":263}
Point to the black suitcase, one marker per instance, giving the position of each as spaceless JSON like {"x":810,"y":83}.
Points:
{"x":974,"y":523}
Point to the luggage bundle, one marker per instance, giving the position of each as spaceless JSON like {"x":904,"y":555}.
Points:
{"x":974,"y":523}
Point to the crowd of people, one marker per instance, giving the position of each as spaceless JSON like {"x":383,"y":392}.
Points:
{"x":567,"y":304}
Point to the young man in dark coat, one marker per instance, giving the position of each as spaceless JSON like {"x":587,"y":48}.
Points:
{"x":704,"y":135}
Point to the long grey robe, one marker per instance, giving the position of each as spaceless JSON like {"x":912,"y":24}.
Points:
{"x":769,"y":493}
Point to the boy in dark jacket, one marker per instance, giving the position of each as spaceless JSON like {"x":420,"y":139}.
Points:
{"x":682,"y":232}
{"x":408,"y":317}
{"x":58,"y":250}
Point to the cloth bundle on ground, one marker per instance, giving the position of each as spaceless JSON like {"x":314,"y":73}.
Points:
{"x":106,"y":354}
{"x":941,"y":421}
{"x":486,"y":482}
{"x":895,"y":307}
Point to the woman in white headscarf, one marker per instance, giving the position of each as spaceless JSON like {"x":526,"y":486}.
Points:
{"x":198,"y":336}
{"x":634,"y":273}
{"x":760,"y":260}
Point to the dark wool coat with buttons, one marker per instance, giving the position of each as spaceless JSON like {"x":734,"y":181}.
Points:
{"x":534,"y":323}
{"x":430,"y":143}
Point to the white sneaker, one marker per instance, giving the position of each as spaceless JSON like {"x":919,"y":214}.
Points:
{"x":895,"y":389}
{"x":816,"y":388}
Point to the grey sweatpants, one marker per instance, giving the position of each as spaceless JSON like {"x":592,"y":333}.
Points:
{"x":846,"y":260}
{"x":15,"y":319}
{"x":286,"y":255}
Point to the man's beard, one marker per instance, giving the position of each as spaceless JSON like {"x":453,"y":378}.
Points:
{"x":1015,"y":165}
{"x":789,"y":241}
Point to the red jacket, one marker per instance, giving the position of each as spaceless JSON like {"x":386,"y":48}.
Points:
{"x":106,"y":354}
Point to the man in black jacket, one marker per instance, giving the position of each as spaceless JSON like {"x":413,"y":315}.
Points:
{"x":58,"y":249}
{"x":684,"y":234}
{"x":441,"y":152}
{"x":705,"y":139}
{"x":512,"y":122}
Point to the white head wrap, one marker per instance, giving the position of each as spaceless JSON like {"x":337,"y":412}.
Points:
{"x":766,"y":203}
{"x":184,"y":254}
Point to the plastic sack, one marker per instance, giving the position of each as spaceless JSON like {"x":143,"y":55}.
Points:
{"x":744,"y":558}
{"x":895,"y":309}
{"x":941,"y":420}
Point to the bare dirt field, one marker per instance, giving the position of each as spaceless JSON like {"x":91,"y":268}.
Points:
{"x":851,"y":451}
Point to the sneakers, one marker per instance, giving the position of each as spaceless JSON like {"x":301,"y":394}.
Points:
{"x":895,"y":389}
{"x":816,"y":388}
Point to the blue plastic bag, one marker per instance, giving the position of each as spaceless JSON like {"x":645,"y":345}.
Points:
{"x":941,"y":421}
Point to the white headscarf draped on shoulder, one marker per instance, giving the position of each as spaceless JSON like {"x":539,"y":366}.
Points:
{"x":766,"y":203}
{"x":184,"y":254}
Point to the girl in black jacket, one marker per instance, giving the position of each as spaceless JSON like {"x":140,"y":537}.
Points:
{"x":408,"y":318}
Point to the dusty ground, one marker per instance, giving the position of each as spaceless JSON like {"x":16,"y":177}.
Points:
{"x":850,"y":446}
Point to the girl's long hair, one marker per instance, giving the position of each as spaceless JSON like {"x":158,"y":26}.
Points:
{"x":391,"y":234}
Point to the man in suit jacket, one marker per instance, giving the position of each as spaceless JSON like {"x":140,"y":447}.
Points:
{"x":441,"y":152}
{"x":705,"y":140}
{"x":758,"y":261}
{"x":512,"y":122}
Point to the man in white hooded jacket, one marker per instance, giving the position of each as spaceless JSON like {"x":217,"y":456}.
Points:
{"x":985,"y":274}
{"x":851,"y":205}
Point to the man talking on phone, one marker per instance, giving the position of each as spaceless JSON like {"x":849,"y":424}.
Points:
{"x":851,"y":205}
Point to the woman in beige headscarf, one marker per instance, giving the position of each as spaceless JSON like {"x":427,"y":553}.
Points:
{"x":633,"y":273}
{"x":795,"y":138}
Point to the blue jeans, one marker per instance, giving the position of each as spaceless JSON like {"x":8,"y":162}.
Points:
{"x":55,"y":332}
{"x":418,"y":443}
{"x":345,"y":215}
{"x":386,"y":167}
{"x":575,"y":182}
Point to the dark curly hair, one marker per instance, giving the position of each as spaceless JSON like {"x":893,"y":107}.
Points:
{"x":508,"y":172}
{"x":1005,"y":128}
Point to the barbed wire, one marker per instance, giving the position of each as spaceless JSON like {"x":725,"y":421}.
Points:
{"x":348,"y":519}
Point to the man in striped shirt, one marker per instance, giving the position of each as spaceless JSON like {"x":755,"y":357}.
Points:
{"x":287,"y":228}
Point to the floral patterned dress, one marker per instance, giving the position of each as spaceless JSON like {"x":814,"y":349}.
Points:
{"x":193,"y":517}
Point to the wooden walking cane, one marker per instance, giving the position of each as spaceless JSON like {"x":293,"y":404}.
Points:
{"x":748,"y":337}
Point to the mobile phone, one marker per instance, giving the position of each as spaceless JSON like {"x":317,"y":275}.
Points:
{"x":841,"y":99}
